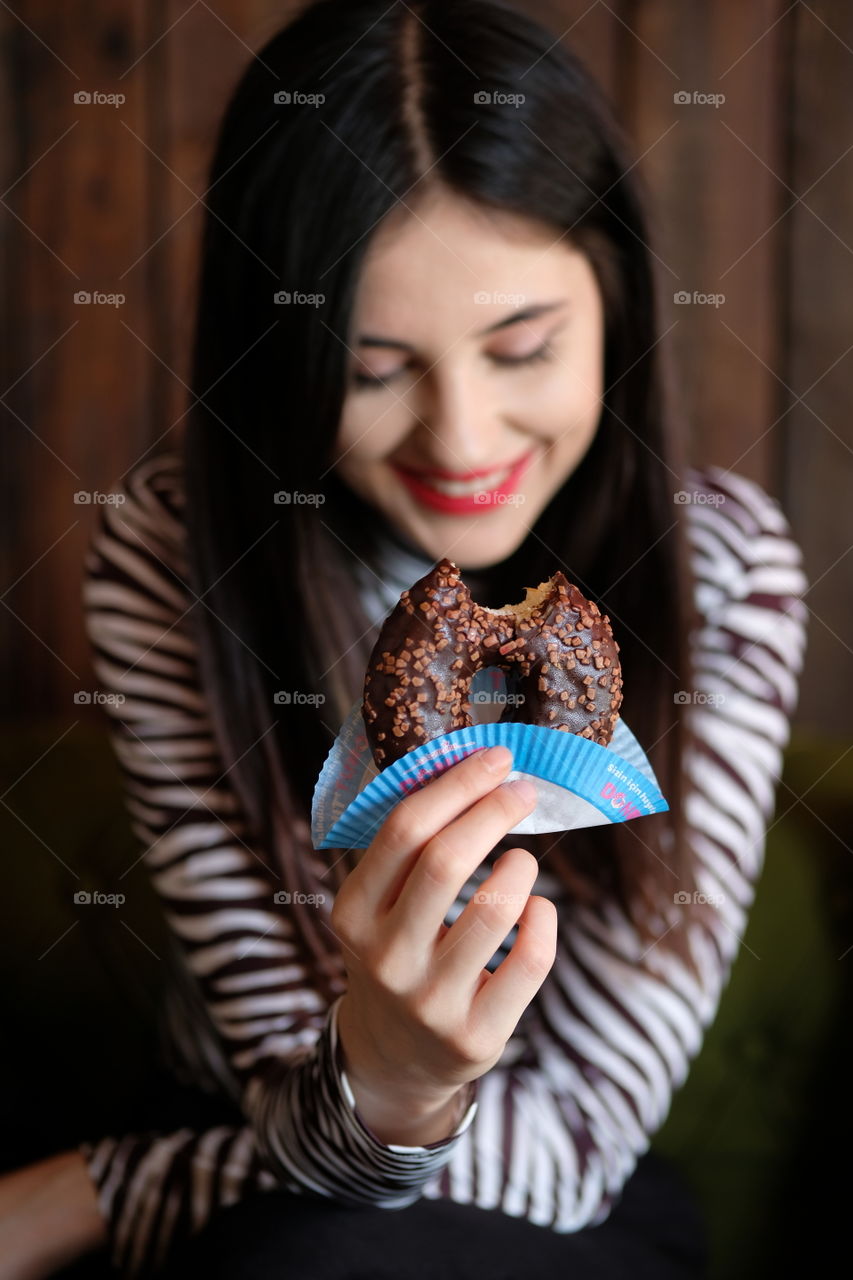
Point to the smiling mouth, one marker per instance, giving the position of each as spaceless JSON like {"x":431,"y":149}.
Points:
{"x":463,"y":488}
{"x":473,"y":491}
{"x":465,"y":483}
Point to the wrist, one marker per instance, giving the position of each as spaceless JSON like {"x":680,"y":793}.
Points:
{"x":404,"y":1111}
{"x":408,"y":1120}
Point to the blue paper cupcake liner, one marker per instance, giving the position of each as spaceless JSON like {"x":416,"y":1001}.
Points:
{"x":579,"y":783}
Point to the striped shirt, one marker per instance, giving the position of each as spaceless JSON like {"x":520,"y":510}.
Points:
{"x":556,"y":1127}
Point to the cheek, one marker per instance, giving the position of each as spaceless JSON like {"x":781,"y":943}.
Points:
{"x":368,"y":433}
{"x":586,"y":370}
{"x":569,"y":400}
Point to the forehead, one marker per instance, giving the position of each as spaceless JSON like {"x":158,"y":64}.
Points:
{"x":428,"y":265}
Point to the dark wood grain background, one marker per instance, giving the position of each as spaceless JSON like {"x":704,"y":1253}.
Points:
{"x":754,"y":200}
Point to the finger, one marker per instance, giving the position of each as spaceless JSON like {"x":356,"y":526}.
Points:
{"x":381,"y":871}
{"x":449,"y":859}
{"x":475,"y":936}
{"x":505,"y":994}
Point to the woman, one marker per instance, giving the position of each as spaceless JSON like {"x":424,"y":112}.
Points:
{"x":427,"y":326}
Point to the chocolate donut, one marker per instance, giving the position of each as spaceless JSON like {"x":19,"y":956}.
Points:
{"x":556,"y":647}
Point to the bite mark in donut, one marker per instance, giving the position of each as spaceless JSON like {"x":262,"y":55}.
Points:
{"x":555,"y":645}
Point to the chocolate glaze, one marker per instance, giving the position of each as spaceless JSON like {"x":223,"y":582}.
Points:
{"x":560,"y":653}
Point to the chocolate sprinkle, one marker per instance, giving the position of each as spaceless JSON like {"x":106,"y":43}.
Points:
{"x":556,"y":643}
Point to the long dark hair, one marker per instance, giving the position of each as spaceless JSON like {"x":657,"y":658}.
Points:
{"x":297,"y":186}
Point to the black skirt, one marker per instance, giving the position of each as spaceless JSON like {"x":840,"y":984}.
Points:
{"x":654,"y":1232}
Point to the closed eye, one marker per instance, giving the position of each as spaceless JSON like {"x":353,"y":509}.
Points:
{"x":541,"y":353}
{"x":364,"y":379}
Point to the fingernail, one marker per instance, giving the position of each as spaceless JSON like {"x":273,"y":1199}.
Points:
{"x":496,"y":759}
{"x":524,"y":789}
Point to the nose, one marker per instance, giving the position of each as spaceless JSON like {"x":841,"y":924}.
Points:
{"x":459,"y":427}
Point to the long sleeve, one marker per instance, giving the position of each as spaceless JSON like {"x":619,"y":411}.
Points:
{"x":157,"y":1188}
{"x":590,"y":1075}
{"x":217,"y":890}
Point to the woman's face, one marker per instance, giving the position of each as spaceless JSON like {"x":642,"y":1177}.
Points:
{"x":475,"y":377}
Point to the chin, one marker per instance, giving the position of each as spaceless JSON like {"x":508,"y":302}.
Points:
{"x":474,"y":548}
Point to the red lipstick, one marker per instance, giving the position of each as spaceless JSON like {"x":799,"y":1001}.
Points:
{"x":418,"y":482}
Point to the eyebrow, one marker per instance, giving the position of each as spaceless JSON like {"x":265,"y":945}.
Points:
{"x":515,"y":317}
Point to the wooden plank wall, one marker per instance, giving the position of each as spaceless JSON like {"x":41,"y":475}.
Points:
{"x":754,"y":199}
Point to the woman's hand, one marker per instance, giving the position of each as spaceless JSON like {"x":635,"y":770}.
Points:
{"x":49,"y":1217}
{"x":422,"y":1016}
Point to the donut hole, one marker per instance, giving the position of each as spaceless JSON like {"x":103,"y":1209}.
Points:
{"x":495,"y":695}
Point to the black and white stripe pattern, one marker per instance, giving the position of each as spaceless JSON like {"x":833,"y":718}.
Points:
{"x":557,"y":1126}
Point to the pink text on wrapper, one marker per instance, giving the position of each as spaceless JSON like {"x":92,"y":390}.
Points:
{"x":620,"y":801}
{"x":352,"y":764}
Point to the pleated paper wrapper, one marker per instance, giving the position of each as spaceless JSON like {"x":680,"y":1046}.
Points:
{"x":579,"y":783}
